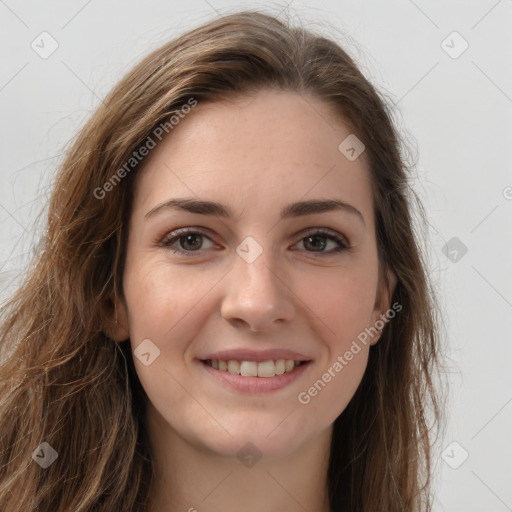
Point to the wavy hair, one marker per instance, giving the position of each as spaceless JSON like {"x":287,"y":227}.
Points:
{"x":65,"y":381}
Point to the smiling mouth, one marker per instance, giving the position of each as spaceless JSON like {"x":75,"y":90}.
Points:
{"x":263,"y":369}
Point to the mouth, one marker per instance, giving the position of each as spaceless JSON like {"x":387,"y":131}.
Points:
{"x":255,"y":376}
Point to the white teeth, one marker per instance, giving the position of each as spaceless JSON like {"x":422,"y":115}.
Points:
{"x":254,"y":368}
{"x":234,"y":367}
{"x":266,"y":369}
{"x":249,"y":368}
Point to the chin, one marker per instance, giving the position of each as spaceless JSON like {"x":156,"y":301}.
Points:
{"x":268,"y":438}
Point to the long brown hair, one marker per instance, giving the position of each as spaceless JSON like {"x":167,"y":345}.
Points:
{"x":65,"y":382}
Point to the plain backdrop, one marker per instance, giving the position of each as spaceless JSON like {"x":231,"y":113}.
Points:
{"x":446,"y":68}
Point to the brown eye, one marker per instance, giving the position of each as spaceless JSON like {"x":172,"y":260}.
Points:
{"x":318,"y":241}
{"x":315,"y":242}
{"x":190,"y":242}
{"x":184,"y":242}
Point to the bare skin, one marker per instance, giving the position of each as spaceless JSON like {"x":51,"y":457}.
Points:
{"x":256,"y":155}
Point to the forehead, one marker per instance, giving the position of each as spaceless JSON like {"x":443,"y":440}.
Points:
{"x":265,"y":150}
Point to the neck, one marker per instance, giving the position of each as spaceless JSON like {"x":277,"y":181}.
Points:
{"x":191,"y":478}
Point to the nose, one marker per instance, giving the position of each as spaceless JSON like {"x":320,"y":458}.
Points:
{"x":257,"y":295}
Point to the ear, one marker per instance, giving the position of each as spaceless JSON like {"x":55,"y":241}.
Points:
{"x":382,"y":303}
{"x":116,"y":323}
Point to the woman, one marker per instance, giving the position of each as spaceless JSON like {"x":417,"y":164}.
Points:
{"x":229,"y":307}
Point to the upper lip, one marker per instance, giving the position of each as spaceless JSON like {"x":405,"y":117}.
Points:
{"x":252,"y":355}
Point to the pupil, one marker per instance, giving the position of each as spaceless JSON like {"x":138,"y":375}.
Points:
{"x":189,"y":237}
{"x":321,"y":245}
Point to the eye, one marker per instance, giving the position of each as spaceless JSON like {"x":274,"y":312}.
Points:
{"x":317,"y":241}
{"x":187,"y":241}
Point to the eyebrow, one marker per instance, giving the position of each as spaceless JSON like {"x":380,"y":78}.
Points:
{"x":293,"y":210}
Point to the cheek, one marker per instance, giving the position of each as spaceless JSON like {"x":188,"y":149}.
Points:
{"x":161,"y":300}
{"x":328,"y":395}
{"x":343,"y":302}
{"x":335,"y":379}
{"x":164,"y":308}
{"x":167,"y":307}
{"x":344,"y":308}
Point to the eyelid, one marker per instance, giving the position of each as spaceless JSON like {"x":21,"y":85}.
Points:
{"x":323,"y":231}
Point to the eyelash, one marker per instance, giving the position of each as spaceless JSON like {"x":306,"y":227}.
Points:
{"x":174,"y":237}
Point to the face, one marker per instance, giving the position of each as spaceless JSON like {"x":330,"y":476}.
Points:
{"x":254,"y":283}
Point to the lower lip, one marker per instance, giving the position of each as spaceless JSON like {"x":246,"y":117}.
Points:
{"x":256,"y":384}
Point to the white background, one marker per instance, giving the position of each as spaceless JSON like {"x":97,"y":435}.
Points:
{"x":455,"y":113}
